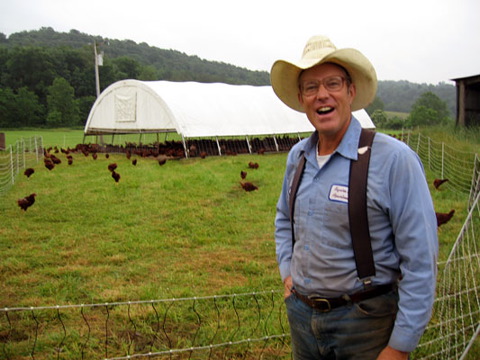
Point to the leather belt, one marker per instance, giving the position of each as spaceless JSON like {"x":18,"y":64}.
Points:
{"x":327,"y":304}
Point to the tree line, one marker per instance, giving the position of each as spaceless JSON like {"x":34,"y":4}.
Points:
{"x":47,"y":78}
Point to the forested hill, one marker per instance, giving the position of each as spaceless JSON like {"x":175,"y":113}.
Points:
{"x":149,"y":62}
{"x":32,"y":60}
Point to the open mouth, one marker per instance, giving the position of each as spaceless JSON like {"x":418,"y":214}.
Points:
{"x":325,"y":110}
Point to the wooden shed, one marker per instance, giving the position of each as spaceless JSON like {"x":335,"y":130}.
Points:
{"x":468,"y":100}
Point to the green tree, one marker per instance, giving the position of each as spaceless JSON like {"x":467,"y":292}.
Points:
{"x":62,"y":106}
{"x":379,"y":118}
{"x":429,"y":110}
{"x":127,"y":67}
{"x":20,"y":109}
{"x":377,"y":104}
{"x":29,"y":111}
{"x":7,"y":108}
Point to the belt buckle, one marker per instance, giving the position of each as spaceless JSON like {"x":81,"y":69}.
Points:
{"x":320,"y":302}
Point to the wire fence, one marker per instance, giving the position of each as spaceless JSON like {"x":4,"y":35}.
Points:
{"x":237,"y":326}
{"x":462,"y":169}
{"x":16,"y":158}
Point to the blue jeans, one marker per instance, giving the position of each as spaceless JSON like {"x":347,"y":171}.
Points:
{"x":357,"y":331}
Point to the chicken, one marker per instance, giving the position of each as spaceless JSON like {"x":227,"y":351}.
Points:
{"x":116,"y":176}
{"x":253,"y":165}
{"x":243,"y":174}
{"x":443,"y":218}
{"x":438,"y":182}
{"x":55,"y":159}
{"x":112,"y":167}
{"x":203,"y":154}
{"x":94,"y":156}
{"x":27,"y":201}
{"x":248,"y":186}
{"x":70,"y":159}
{"x":134,"y":162}
{"x":49,"y":164}
{"x":162,"y":161}
{"x":28,"y":172}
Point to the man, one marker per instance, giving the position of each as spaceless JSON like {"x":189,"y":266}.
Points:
{"x":333,"y":314}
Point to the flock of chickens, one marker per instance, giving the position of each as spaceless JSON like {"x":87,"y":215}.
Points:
{"x":51,"y":160}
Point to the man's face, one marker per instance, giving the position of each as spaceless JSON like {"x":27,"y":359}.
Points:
{"x":329,"y":111}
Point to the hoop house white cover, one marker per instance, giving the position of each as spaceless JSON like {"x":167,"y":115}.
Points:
{"x":195,"y":110}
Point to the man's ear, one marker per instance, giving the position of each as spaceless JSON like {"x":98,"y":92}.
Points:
{"x":352,"y":92}
{"x":300,"y":98}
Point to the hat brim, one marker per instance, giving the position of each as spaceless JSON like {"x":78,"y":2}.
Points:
{"x":284,"y":77}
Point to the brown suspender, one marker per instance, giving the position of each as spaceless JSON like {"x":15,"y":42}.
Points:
{"x":357,"y":205}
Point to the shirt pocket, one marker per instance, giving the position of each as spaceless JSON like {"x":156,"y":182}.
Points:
{"x":336,"y":225}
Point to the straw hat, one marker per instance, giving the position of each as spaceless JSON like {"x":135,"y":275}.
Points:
{"x":319,"y":49}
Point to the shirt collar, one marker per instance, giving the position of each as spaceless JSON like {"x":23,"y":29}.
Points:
{"x":347,"y":148}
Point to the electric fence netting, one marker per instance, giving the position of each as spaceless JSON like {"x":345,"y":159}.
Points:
{"x":15,"y":158}
{"x":243,"y":326}
{"x":455,"y":323}
{"x":237,"y":326}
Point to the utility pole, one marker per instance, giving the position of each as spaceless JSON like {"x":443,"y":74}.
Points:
{"x":97,"y":77}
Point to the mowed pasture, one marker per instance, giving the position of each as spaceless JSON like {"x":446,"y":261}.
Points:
{"x":186,"y":228}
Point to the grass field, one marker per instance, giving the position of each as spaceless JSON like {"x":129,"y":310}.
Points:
{"x":186,"y":228}
{"x":86,"y":237}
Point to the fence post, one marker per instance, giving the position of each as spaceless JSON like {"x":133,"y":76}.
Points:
{"x":36,"y":148}
{"x":443,"y":159}
{"x":23,"y":153}
{"x":11,"y":165}
{"x":429,"y":152}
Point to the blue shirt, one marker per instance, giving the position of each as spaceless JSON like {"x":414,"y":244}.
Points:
{"x":402,"y":225}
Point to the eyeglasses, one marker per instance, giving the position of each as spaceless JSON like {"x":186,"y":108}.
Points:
{"x":331,"y":83}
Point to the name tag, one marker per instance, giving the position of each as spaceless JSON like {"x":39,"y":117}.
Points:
{"x":339,"y":193}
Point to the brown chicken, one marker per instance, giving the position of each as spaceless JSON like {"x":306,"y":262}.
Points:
{"x":26,"y":202}
{"x":243,"y":174}
{"x":112,"y":166}
{"x":116,"y":176}
{"x":438,"y":182}
{"x":28,"y":172}
{"x":248,"y":186}
{"x":55,"y":159}
{"x":443,"y":218}
{"x":253,"y":165}
{"x":49,"y":164}
{"x":162,"y":161}
{"x":134,"y":162}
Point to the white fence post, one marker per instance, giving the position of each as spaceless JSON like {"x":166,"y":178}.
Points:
{"x":443,"y":159}
{"x":11,"y":165}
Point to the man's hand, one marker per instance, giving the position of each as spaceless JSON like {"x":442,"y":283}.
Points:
{"x":390,"y":353}
{"x":288,"y":283}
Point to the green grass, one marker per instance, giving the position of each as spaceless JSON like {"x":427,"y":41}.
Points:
{"x":400,"y":115}
{"x":71,"y":137}
{"x":85,"y":238}
{"x":183,"y":229}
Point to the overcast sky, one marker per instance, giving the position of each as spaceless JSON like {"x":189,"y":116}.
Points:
{"x":422,"y":41}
